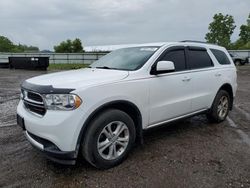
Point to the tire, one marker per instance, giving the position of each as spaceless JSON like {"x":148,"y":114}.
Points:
{"x":237,"y":62}
{"x":220,"y":107}
{"x":98,"y":142}
{"x":242,"y":63}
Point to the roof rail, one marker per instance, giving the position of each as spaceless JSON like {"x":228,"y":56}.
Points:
{"x":195,"y":41}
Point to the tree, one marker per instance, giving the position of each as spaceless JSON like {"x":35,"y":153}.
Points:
{"x":245,"y":32}
{"x":25,"y":48}
{"x":77,"y":45}
{"x":64,"y":47}
{"x":6,"y":45}
{"x":69,"y":46}
{"x":220,"y":30}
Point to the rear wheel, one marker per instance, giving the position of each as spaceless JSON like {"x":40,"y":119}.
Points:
{"x":109,"y":139}
{"x":220,"y":107}
{"x":237,"y":62}
{"x":242,"y":63}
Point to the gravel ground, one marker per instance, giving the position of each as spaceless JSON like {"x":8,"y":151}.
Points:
{"x":189,"y":153}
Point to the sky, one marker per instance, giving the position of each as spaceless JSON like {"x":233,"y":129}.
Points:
{"x":45,"y":23}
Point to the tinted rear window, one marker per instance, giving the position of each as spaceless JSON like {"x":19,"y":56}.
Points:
{"x":199,"y":59}
{"x":221,"y":57}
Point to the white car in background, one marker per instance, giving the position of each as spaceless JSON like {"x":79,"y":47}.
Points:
{"x":239,"y":60}
{"x":101,"y":111}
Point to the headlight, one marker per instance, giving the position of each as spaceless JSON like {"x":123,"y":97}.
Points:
{"x":23,"y":94}
{"x":62,"y":101}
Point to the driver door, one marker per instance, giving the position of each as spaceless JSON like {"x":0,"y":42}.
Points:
{"x":170,"y":93}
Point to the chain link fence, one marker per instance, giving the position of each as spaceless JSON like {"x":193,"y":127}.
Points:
{"x":81,"y":58}
{"x":56,"y":58}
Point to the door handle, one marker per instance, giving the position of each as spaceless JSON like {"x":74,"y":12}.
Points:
{"x":218,"y":74}
{"x":186,"y":79}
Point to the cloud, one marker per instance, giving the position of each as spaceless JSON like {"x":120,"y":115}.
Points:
{"x":45,"y":23}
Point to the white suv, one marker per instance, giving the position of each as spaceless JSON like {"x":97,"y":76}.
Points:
{"x":101,"y":111}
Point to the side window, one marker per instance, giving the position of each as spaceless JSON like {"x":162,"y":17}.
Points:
{"x":221,"y":57}
{"x":198,"y":58}
{"x":177,"y":57}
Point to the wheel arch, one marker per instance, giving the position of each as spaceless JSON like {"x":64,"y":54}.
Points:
{"x":227,"y":87}
{"x":128,"y":107}
{"x":237,"y":59}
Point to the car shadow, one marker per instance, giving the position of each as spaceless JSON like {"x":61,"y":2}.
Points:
{"x":151,"y":136}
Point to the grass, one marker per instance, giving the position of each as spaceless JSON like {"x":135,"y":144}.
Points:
{"x":66,"y":66}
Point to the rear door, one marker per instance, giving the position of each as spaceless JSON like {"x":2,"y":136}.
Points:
{"x":203,"y":77}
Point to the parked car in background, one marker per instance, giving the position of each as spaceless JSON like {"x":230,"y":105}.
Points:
{"x":101,"y":111}
{"x":239,"y":60}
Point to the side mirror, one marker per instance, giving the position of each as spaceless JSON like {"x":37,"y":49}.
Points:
{"x":163,"y":67}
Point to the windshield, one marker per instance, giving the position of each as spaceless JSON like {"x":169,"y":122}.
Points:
{"x":126,"y":58}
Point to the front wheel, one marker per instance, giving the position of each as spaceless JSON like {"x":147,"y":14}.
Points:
{"x":220,"y":107}
{"x":109,"y":138}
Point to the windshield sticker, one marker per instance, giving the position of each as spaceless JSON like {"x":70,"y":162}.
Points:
{"x":148,"y":49}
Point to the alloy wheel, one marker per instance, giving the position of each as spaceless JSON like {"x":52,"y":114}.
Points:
{"x":223,"y":107}
{"x":113,"y":140}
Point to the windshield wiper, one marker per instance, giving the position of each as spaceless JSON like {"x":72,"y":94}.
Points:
{"x":104,"y":67}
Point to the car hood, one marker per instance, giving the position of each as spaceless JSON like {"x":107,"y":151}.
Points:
{"x":79,"y":78}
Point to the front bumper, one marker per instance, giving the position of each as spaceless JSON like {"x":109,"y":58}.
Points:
{"x":51,"y":151}
{"x":55,"y":134}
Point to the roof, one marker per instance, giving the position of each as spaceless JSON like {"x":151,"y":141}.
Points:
{"x":157,"y":44}
{"x":115,"y":47}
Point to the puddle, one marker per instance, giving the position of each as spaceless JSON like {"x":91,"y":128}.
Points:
{"x":8,"y":113}
{"x":8,"y":95}
{"x":245,"y":138}
{"x":246,"y":114}
{"x":231,"y":123}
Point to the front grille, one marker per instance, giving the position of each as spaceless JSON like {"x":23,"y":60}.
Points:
{"x":34,"y":102}
{"x":35,"y":97}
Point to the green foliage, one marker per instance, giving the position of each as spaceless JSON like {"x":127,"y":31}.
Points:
{"x":69,"y":46}
{"x":220,"y":30}
{"x":64,"y":46}
{"x":236,"y":45}
{"x":77,"y":45}
{"x":7,"y":46}
{"x":243,"y":43}
{"x":245,"y":32}
{"x":25,"y":48}
{"x":239,"y":45}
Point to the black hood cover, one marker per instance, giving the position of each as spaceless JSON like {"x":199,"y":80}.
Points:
{"x":45,"y":89}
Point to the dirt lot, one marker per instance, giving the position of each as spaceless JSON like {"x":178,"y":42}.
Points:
{"x":190,"y":153}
